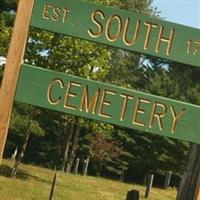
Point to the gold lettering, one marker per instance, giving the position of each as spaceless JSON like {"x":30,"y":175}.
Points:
{"x":135,"y":35}
{"x":69,"y":94}
{"x":169,"y":40}
{"x":109,"y":25}
{"x":89,"y":105}
{"x":150,"y":26}
{"x":45,"y":14}
{"x":197,"y":47}
{"x":138,"y":111}
{"x":157,"y":115}
{"x":124,"y":105}
{"x":65,"y":15}
{"x":49,"y":91}
{"x":105,"y":102}
{"x":193,"y":47}
{"x":176,"y":116}
{"x":99,"y":25}
{"x":189,"y":42}
{"x":56,"y":14}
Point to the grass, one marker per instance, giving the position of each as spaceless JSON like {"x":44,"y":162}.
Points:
{"x":34,"y":183}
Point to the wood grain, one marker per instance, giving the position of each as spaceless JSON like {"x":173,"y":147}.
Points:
{"x":14,"y":61}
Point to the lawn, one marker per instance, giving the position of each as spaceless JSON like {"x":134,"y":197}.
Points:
{"x":34,"y":183}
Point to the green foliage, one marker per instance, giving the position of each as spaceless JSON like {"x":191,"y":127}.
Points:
{"x":8,"y":5}
{"x":7,"y":12}
{"x":20,"y":123}
{"x":66,"y":54}
{"x":5,"y":34}
{"x":102,"y":149}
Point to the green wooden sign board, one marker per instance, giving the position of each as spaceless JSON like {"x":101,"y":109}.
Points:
{"x":108,"y":103}
{"x":119,"y":28}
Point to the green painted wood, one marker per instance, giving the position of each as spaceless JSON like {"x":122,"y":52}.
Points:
{"x":119,"y":28}
{"x":108,"y":103}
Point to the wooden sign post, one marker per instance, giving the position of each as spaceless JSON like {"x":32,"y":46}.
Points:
{"x":197,"y":193}
{"x":12,"y":68}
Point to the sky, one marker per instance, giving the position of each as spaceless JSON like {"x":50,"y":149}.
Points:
{"x":186,"y":12}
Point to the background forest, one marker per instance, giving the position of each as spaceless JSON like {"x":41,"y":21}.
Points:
{"x":53,"y":139}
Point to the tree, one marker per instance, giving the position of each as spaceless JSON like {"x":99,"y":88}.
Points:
{"x":189,"y":187}
{"x":71,"y":145}
{"x":101,"y":150}
{"x":187,"y":79}
{"x":180,"y":82}
{"x":26,"y":126}
{"x":8,"y":5}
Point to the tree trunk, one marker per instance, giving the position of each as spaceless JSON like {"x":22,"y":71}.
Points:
{"x":21,"y":154}
{"x":190,"y":184}
{"x":67,"y":145}
{"x":74,"y":144}
{"x":85,"y":166}
{"x":99,"y":170}
{"x":76,"y":166}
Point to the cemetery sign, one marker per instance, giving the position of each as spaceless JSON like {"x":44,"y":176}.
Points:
{"x":119,"y":28}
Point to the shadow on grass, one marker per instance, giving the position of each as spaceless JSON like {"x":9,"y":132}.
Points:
{"x":6,"y":170}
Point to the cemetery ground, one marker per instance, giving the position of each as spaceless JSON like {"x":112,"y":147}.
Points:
{"x":34,"y":183}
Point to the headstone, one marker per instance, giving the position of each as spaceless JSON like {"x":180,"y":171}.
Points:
{"x":149,"y":185}
{"x":68,"y":168}
{"x":85,"y":166}
{"x":167,"y":179}
{"x":132,"y":195}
